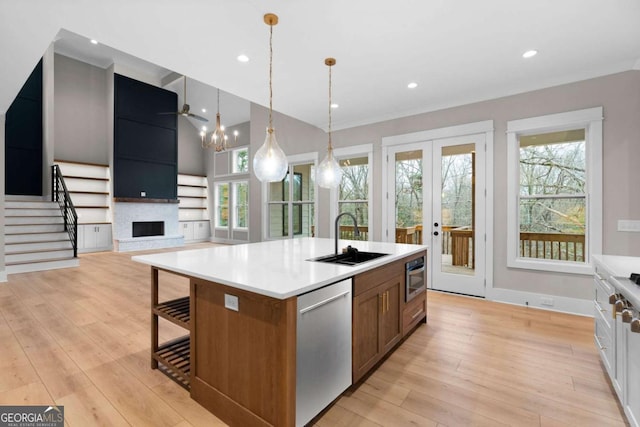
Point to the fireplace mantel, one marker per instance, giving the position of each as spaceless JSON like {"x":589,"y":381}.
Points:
{"x":144,"y":200}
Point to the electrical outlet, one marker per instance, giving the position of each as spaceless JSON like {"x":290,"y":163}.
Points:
{"x":231,"y":302}
{"x":143,"y":194}
{"x":546,"y":301}
{"x":628,"y":225}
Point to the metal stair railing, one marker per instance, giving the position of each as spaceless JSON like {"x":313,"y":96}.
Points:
{"x":60,"y":194}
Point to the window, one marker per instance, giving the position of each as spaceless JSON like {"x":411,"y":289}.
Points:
{"x":240,"y":205}
{"x":353,"y":194}
{"x":222,"y":204}
{"x":240,"y":160}
{"x":555,"y":171}
{"x":291,"y":202}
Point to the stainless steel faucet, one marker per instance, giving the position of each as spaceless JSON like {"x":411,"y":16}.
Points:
{"x":337,"y":228}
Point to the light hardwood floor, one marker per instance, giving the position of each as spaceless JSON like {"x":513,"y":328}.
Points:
{"x":80,"y":338}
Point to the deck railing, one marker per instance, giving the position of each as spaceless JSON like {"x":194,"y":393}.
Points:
{"x":558,"y":246}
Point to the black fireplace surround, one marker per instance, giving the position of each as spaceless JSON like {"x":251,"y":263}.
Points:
{"x":148,"y":228}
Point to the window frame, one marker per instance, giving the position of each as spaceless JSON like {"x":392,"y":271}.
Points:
{"x":591,"y":120}
{"x":363,"y":150}
{"x":293,"y":160}
{"x":217,"y":206}
{"x":234,"y":204}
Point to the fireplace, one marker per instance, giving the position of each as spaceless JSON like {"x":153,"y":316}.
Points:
{"x":143,"y":225}
{"x":148,"y":228}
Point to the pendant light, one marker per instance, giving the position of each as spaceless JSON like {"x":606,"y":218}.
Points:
{"x":218,"y":140}
{"x":270,"y":163}
{"x":329,"y":172}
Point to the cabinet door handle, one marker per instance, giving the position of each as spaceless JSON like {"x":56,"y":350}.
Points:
{"x":381,"y":298}
{"x":418,"y":313}
{"x":387,"y":301}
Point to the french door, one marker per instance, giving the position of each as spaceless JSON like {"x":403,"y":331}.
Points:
{"x":436,"y":196}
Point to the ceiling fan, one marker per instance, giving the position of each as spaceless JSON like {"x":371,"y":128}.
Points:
{"x":185,"y":107}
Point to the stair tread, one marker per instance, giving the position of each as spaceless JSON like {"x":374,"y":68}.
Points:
{"x":40,"y":261}
{"x":33,"y":232}
{"x":37,"y":251}
{"x":36,"y":242}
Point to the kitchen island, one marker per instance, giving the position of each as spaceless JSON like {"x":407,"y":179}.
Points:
{"x":241,"y":354}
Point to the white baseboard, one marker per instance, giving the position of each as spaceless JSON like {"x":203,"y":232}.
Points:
{"x":561,"y":304}
{"x":3,"y":276}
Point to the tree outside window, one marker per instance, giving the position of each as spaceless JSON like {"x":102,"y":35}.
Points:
{"x":552,"y":202}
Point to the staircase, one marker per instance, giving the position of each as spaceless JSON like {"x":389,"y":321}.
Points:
{"x":35,"y":238}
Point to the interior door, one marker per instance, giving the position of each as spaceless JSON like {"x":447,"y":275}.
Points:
{"x":458,"y":226}
{"x":436,"y":197}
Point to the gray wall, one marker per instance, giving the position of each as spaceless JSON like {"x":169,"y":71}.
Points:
{"x":80,"y":111}
{"x":190,"y":158}
{"x":619,"y":94}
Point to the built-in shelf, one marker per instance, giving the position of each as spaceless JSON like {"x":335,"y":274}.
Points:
{"x":175,"y":311}
{"x":193,"y":195}
{"x":89,"y":186}
{"x":174,"y":359}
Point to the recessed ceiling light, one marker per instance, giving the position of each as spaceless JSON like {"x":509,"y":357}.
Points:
{"x":243,"y":58}
{"x":334,"y":105}
{"x":204,"y":128}
{"x":204,"y":110}
{"x":412,"y":85}
{"x":93,"y":41}
{"x":530,"y":53}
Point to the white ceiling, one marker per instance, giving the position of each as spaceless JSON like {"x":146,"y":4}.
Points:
{"x":457,"y":51}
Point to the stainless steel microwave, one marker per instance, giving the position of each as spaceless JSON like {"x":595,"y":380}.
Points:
{"x":416,"y":277}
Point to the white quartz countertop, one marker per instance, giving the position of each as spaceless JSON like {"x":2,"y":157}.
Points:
{"x":278,"y":268}
{"x":620,"y":268}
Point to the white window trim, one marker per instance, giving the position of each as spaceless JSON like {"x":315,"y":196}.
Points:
{"x":216,"y":187}
{"x":233,"y":207}
{"x":350,"y":152}
{"x":230,"y":153}
{"x":292,"y":161}
{"x":591,"y":120}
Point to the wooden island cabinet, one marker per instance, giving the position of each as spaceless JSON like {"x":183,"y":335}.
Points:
{"x":238,"y":357}
{"x":381,"y":317}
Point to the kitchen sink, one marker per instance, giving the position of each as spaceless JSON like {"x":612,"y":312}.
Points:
{"x":351,"y":257}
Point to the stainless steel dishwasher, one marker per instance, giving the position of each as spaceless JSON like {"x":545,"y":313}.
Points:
{"x":323,"y":365}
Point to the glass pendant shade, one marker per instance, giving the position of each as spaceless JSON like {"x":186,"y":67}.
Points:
{"x":270,"y":163}
{"x":329,"y":172}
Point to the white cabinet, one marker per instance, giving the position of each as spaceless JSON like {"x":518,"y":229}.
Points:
{"x":195,"y":231}
{"x":631,"y":402}
{"x":186,"y":229}
{"x":617,"y":333}
{"x":94,"y":237}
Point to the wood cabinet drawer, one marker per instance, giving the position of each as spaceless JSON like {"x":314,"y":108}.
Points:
{"x":414,"y":312}
{"x":373,"y":278}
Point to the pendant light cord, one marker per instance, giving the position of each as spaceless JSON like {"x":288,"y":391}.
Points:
{"x":218,"y":101}
{"x":330,"y":147}
{"x":270,"y":74}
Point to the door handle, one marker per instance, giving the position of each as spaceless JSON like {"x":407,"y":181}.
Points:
{"x":325,"y":302}
{"x":435,"y":233}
